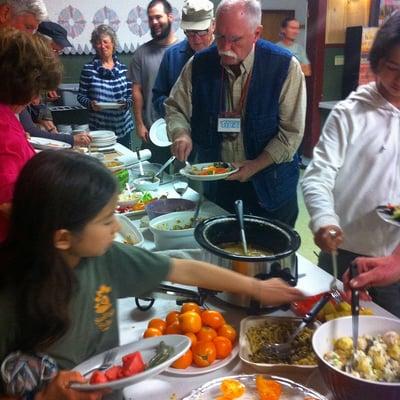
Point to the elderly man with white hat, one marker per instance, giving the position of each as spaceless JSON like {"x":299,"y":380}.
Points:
{"x":198,"y":24}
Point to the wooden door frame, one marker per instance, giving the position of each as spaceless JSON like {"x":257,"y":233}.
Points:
{"x":316,"y":26}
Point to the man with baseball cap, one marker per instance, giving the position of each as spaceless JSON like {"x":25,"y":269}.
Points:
{"x":198,"y":24}
{"x":56,"y":33}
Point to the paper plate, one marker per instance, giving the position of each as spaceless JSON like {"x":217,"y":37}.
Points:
{"x":48,"y":144}
{"x":158,"y":133}
{"x":110,"y":106}
{"x":96,"y":135}
{"x":384,"y":213}
{"x":147,"y":348}
{"x":187,"y":172}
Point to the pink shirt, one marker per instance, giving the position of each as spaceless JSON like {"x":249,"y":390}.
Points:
{"x":15,"y":151}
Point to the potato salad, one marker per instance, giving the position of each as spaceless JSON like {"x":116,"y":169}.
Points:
{"x":377,"y":357}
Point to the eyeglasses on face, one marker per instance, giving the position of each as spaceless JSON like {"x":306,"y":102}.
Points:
{"x":193,"y":33}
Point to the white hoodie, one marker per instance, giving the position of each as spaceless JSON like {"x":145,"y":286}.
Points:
{"x":355,"y":168}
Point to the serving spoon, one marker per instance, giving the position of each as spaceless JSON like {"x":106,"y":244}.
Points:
{"x":239,"y":216}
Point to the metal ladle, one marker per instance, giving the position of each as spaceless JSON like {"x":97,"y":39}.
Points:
{"x":239,"y":216}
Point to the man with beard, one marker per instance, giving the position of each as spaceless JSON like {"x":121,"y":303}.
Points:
{"x":144,"y":66}
{"x":242,"y":101}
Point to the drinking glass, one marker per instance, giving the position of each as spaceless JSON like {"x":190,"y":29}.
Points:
{"x":180,"y":184}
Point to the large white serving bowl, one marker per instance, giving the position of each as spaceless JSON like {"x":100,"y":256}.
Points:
{"x":166,"y":238}
{"x":343,"y":385}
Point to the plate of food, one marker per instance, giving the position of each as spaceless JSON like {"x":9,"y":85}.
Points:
{"x":48,"y":144}
{"x":132,"y":362}
{"x":389,"y":213}
{"x":258,"y":330}
{"x":128,"y":232}
{"x":208,"y":171}
{"x":254,"y":386}
{"x":110,"y":105}
{"x":134,"y":203}
{"x":217,"y":364}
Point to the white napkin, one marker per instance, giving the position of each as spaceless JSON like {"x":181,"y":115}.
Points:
{"x":129,"y":159}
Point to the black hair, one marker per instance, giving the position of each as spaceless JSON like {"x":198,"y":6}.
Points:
{"x":167,"y":6}
{"x":286,"y":21}
{"x":386,"y":38}
{"x":55,"y":190}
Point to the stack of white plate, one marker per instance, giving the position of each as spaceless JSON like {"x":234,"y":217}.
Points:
{"x":103,"y":140}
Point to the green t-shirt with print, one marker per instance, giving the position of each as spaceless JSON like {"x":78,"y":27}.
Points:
{"x":124,"y":271}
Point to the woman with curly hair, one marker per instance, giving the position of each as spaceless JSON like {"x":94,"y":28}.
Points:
{"x":104,"y":80}
{"x":27,"y":66}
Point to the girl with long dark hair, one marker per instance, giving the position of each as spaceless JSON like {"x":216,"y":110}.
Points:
{"x":62,"y":273}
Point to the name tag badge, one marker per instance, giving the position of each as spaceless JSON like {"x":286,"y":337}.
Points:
{"x":229,"y":125}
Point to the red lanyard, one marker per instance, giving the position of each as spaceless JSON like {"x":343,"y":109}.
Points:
{"x":243,"y":95}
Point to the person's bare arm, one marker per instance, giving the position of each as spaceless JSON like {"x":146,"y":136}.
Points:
{"x":138,"y":103}
{"x":197,"y":273}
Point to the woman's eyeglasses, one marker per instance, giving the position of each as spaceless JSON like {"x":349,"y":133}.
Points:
{"x":192,"y":33}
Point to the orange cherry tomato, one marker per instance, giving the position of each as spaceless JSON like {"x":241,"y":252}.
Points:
{"x":173,"y":329}
{"x":232,"y":388}
{"x":190,"y":307}
{"x":150,"y":332}
{"x":227,"y":331}
{"x":213,"y":319}
{"x":206,"y":334}
{"x":172,"y":317}
{"x":157,"y":323}
{"x":223,"y":346}
{"x":268,"y":389}
{"x":204,"y":353}
{"x":184,"y":361}
{"x":192,"y":338}
{"x":190,"y":321}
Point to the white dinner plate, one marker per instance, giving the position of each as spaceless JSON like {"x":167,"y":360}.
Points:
{"x":48,"y":144}
{"x":147,"y":348}
{"x":100,"y":149}
{"x":383,"y":213}
{"x":217,"y":364}
{"x":110,"y":105}
{"x":102,"y":134}
{"x":187,"y":172}
{"x":158,"y":133}
{"x":290,"y":390}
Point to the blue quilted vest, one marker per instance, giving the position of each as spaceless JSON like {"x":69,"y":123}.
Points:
{"x":276,"y":184}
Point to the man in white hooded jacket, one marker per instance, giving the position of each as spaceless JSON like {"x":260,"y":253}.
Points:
{"x":356,"y":167}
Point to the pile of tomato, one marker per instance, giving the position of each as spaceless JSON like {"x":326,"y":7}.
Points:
{"x":212,"y":338}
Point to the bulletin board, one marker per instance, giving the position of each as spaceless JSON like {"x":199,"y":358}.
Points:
{"x":127,"y":18}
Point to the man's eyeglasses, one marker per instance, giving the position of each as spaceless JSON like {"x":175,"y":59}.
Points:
{"x":192,"y":33}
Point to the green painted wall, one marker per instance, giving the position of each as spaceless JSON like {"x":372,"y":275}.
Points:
{"x":333,"y":74}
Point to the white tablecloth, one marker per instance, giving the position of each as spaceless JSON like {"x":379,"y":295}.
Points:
{"x":133,"y":322}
